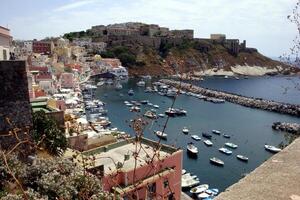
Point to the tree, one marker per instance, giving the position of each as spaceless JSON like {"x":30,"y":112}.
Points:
{"x":45,"y":129}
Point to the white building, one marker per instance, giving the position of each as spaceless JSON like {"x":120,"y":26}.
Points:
{"x":47,"y":86}
{"x":5,"y":43}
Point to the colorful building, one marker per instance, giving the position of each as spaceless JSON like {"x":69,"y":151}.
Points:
{"x":5,"y":43}
{"x":153,"y":173}
{"x":67,"y":80}
{"x":41,"y":47}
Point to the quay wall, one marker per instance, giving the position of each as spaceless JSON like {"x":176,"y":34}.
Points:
{"x":258,"y":103}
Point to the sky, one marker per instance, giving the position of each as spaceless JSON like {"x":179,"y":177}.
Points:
{"x":262,"y":23}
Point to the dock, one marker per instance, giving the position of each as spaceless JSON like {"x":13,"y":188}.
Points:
{"x":259,"y":103}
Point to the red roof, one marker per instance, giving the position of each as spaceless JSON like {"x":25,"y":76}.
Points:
{"x":38,"y":68}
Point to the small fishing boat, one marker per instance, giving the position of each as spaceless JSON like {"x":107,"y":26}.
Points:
{"x":272,"y":149}
{"x":216,"y":132}
{"x":208,"y":142}
{"x":191,"y":148}
{"x":185,"y":130}
{"x":196,"y":137}
{"x":212,"y":192}
{"x":225,"y":151}
{"x":231,"y":145}
{"x":199,"y":189}
{"x":144,"y":101}
{"x":216,"y":161}
{"x":156,"y":106}
{"x":150,"y":115}
{"x":207,"y":135}
{"x":135,"y":109}
{"x":130,"y":92}
{"x":242,"y":158}
{"x":170,"y":112}
{"x":203,"y":195}
{"x":141,"y":83}
{"x":150,"y":104}
{"x":161,"y":115}
{"x":129,"y":104}
{"x":161,"y":134}
{"x":226,"y":135}
{"x":180,"y":112}
{"x":126,"y":102}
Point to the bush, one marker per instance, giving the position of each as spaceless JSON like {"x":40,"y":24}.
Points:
{"x":46,"y":130}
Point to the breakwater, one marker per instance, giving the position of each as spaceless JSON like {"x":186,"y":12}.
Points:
{"x":284,"y":108}
{"x":288,"y":127}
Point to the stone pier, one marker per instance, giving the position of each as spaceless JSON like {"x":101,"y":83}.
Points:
{"x":258,"y":103}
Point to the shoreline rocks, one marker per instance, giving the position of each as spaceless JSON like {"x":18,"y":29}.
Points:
{"x":293,"y":128}
{"x":259,"y":103}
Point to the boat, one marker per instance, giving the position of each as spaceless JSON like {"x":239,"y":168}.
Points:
{"x":225,"y":151}
{"x":189,"y":182}
{"x":183,"y":171}
{"x":135,"y":109}
{"x":161,"y":115}
{"x":148,"y":89}
{"x":226,"y":77}
{"x":129,"y":104}
{"x":150,"y":104}
{"x":226,"y":135}
{"x":216,"y":161}
{"x":196,"y":137}
{"x":216,"y":132}
{"x":156,"y":106}
{"x":141,"y":83}
{"x":203,"y":195}
{"x":100,"y":83}
{"x":161,"y":134}
{"x":231,"y":145}
{"x":119,"y":86}
{"x":208,"y":142}
{"x":109,"y":82}
{"x":199,"y":189}
{"x":170,"y":112}
{"x":130,"y":92}
{"x":191,"y":148}
{"x":185,"y":130}
{"x":272,"y":149}
{"x":212,"y":192}
{"x":144,"y":101}
{"x":242,"y":158}
{"x":126,"y":102}
{"x":171,"y":93}
{"x":180,"y":112}
{"x":206,"y":135}
{"x":150,"y":115}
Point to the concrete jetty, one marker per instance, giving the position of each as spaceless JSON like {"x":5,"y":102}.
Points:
{"x":259,"y":103}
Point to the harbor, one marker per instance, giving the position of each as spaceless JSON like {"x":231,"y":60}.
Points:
{"x":201,"y":117}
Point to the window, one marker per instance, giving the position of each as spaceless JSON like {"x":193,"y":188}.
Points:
{"x":4,"y":54}
{"x":166,"y":183}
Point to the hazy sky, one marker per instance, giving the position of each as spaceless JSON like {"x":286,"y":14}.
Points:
{"x":263,"y":23}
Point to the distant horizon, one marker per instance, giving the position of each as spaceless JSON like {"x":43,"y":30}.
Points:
{"x":263,"y":24}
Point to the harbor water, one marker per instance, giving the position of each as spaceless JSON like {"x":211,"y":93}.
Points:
{"x":249,"y":128}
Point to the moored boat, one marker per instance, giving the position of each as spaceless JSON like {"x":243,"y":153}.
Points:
{"x":185,"y":130}
{"x":216,"y":161}
{"x":225,"y":151}
{"x":161,"y":134}
{"x":130,"y":92}
{"x":206,"y":135}
{"x":199,"y":189}
{"x":242,"y":158}
{"x":191,"y":148}
{"x":141,"y":83}
{"x":208,"y":142}
{"x":161,"y":115}
{"x":231,"y":145}
{"x":196,"y":137}
{"x":170,"y":112}
{"x":203,"y":195}
{"x":216,"y":132}
{"x":226,"y":135}
{"x":150,"y":115}
{"x":272,"y":149}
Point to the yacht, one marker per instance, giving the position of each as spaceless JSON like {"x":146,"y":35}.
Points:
{"x":191,"y":148}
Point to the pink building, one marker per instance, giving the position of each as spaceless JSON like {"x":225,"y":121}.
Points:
{"x":67,"y":80}
{"x":141,"y":177}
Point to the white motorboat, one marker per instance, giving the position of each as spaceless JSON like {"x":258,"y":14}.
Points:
{"x":161,"y":115}
{"x":203,"y":195}
{"x":216,"y":132}
{"x":135,"y":109}
{"x":272,"y":149}
{"x":100,"y":83}
{"x":141,"y":83}
{"x":156,"y":106}
{"x":242,"y":158}
{"x":196,"y":137}
{"x":199,"y":189}
{"x":189,"y":183}
{"x":208,"y":142}
{"x":212,"y":192}
{"x":216,"y":161}
{"x":191,"y":148}
{"x":231,"y":145}
{"x":130,"y":92}
{"x":225,"y":151}
{"x":183,"y":171}
{"x":185,"y":130}
{"x":161,"y":134}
